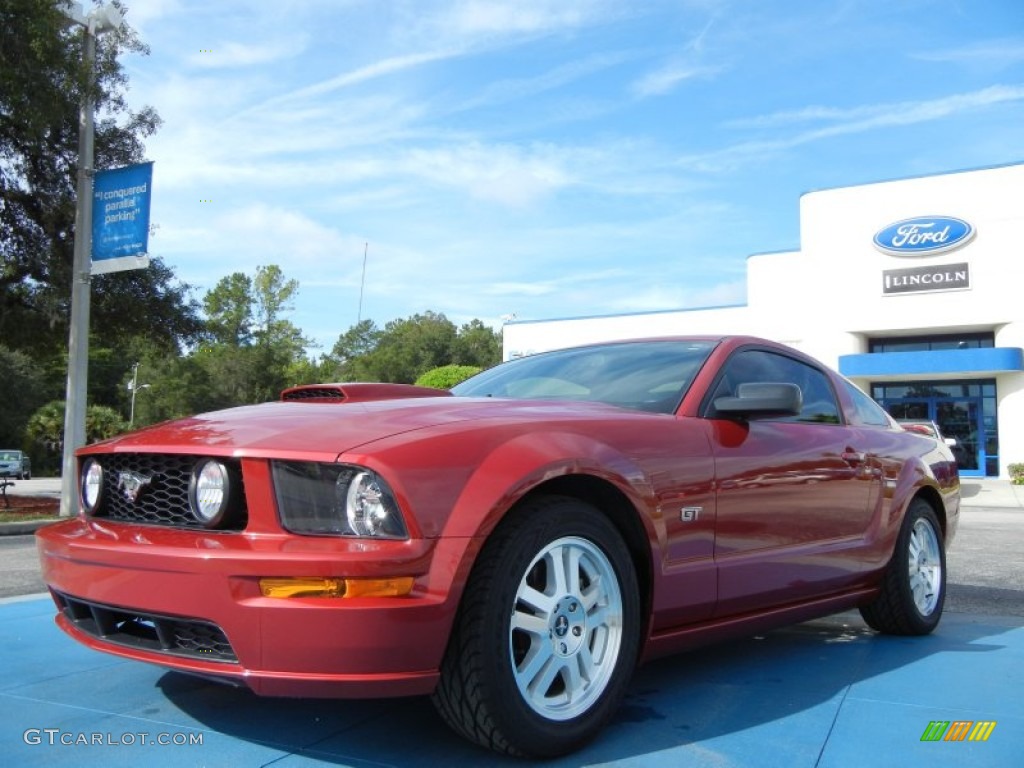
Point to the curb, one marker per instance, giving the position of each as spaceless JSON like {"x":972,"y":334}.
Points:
{"x":21,"y":529}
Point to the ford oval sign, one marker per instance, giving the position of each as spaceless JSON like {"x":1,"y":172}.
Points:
{"x":923,"y":236}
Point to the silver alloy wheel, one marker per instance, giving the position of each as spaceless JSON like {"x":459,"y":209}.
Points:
{"x":925,"y":565}
{"x":566,"y":629}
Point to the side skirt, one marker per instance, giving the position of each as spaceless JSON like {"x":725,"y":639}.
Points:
{"x":674,"y":640}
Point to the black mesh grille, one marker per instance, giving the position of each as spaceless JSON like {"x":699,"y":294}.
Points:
{"x":175,"y":636}
{"x":334,"y":394}
{"x":162,"y":483}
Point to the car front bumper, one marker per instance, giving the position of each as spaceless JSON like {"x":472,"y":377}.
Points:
{"x":191,"y":601}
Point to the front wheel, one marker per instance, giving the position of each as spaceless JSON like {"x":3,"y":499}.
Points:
{"x":547,"y":634}
{"x":914,"y":584}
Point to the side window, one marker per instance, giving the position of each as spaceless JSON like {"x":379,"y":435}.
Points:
{"x":866,"y":410}
{"x":756,"y":365}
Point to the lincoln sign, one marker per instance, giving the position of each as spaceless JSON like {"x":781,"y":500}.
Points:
{"x":947,"y":277}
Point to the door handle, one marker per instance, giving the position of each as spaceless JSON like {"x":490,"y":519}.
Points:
{"x":854,"y":457}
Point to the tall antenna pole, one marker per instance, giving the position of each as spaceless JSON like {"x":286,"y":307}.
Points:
{"x":362,"y":283}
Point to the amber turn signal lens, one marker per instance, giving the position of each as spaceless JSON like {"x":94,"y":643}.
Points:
{"x":378,"y":587}
{"x":313,"y":587}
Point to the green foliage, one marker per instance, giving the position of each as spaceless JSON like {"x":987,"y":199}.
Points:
{"x":1016,"y":473}
{"x":228,"y":307}
{"x":46,"y":430}
{"x":24,"y":391}
{"x":478,"y":345}
{"x":252,"y":352}
{"x":41,"y":83}
{"x":447,"y":376}
{"x":406,"y":349}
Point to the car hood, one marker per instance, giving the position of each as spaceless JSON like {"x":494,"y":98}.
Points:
{"x":304,"y":429}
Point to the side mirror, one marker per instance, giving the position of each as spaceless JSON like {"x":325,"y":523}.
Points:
{"x":950,"y":441}
{"x":761,"y":399}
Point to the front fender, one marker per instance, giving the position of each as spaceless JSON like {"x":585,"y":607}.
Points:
{"x":521,"y":464}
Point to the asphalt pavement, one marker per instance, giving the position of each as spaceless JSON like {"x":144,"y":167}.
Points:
{"x":825,"y":693}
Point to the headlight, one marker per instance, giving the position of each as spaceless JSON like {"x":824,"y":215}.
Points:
{"x":92,"y":485}
{"x":211,"y":493}
{"x":336,"y":499}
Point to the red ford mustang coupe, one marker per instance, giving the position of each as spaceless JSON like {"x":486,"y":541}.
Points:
{"x":514,"y":547}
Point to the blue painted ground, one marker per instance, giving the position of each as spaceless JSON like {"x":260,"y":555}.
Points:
{"x":825,"y":693}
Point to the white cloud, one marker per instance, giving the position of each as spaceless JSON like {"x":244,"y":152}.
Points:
{"x":504,"y":173}
{"x":680,"y":67}
{"x":502,"y":17}
{"x":667,"y":79}
{"x":849,"y":121}
{"x":515,"y":89}
{"x":226,"y":55}
{"x":1000,"y":53}
{"x":368,"y":72}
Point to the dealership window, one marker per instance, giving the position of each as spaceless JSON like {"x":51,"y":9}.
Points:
{"x":964,"y":410}
{"x":932,"y":343}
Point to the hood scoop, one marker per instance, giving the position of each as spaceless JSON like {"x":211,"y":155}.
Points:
{"x":357,"y":392}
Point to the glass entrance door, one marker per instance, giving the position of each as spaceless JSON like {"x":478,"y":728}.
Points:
{"x":957,"y":417}
{"x":960,"y":419}
{"x":964,"y":409}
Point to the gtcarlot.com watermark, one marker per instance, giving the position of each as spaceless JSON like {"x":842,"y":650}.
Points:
{"x":57,"y":737}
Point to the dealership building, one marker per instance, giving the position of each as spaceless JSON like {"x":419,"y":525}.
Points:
{"x":913,"y":289}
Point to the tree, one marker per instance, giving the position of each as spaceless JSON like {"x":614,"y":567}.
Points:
{"x":408,"y":348}
{"x":478,"y":345}
{"x":228,"y":307}
{"x":354,"y":344}
{"x":251,"y":351}
{"x":42,"y":80}
{"x":41,"y":83}
{"x":24,"y":391}
{"x":46,"y":429}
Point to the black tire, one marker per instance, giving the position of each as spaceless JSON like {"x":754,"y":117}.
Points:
{"x":510,"y":677}
{"x":914,"y":583}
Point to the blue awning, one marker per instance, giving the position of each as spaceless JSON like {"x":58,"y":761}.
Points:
{"x":943,"y":362}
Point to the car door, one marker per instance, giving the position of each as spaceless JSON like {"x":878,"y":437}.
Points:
{"x":792,"y":492}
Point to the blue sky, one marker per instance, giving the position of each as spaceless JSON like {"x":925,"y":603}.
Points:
{"x":546,"y":158}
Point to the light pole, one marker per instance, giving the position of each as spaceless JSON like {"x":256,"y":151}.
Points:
{"x":134,"y":386}
{"x":104,"y":19}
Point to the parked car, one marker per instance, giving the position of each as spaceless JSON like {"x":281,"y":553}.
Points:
{"x":15,"y":464}
{"x":514,"y":547}
{"x":927,"y":428}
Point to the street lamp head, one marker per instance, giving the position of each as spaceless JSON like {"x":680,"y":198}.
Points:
{"x":73,"y":11}
{"x":106,"y":18}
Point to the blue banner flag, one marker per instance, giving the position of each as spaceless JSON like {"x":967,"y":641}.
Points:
{"x":120,"y":218}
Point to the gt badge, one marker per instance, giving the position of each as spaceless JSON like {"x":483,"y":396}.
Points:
{"x":690,"y":514}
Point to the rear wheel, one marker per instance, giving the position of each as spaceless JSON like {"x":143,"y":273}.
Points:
{"x":914,"y":585}
{"x":547,"y":634}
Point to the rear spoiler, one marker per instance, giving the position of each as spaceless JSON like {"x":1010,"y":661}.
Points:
{"x":358,"y":392}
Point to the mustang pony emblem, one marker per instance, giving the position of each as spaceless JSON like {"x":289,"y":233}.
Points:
{"x":131,"y":484}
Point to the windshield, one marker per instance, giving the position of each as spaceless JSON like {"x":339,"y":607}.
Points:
{"x":10,"y":455}
{"x":644,"y":375}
